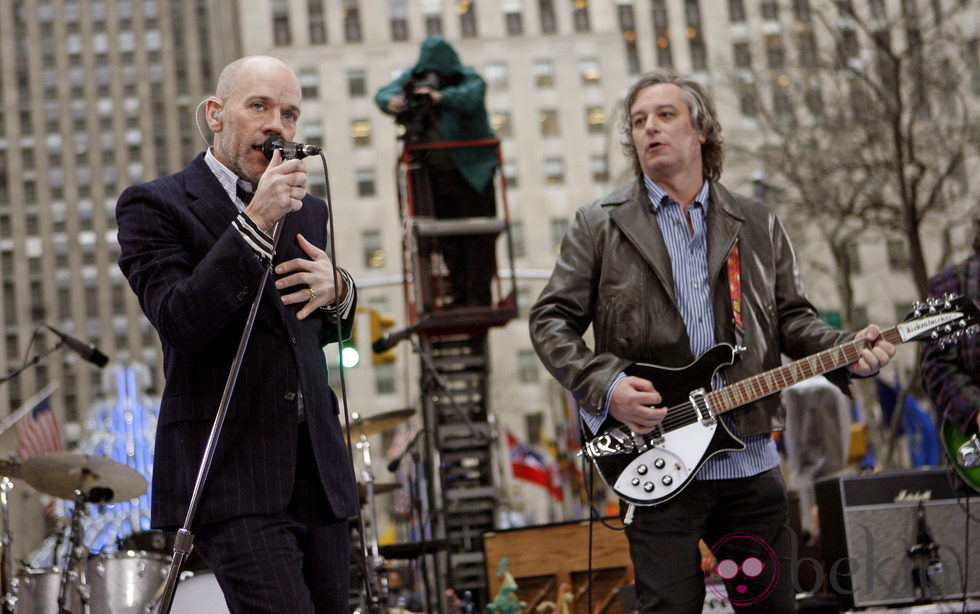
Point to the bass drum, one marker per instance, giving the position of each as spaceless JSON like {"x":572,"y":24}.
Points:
{"x":199,"y":594}
{"x":125,"y":582}
{"x":38,"y":592}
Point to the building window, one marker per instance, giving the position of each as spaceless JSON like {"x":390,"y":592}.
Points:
{"x":743,"y":55}
{"x":313,"y":132}
{"x":554,"y":170}
{"x":497,"y":75}
{"x":432,"y":13}
{"x":374,"y":253}
{"x":509,"y":170}
{"x":500,"y":122}
{"x":533,"y":423}
{"x":600,"y":168}
{"x":898,"y":256}
{"x":546,"y":10}
{"x":514,"y":24}
{"x":361,"y":132}
{"x":528,"y":371}
{"x":627,"y":25}
{"x":544,"y":73}
{"x":384,"y":378}
{"x":801,"y":10}
{"x":595,"y":119}
{"x":517,"y":238}
{"x":775,"y":54}
{"x":365,"y":182}
{"x":280,"y":23}
{"x":467,"y":18}
{"x":589,"y":71}
{"x":352,"y":21}
{"x":769,"y":9}
{"x":736,"y":11}
{"x":559,"y":226}
{"x":853,"y":256}
{"x":309,"y":83}
{"x":580,"y":15}
{"x":661,"y":30}
{"x":699,"y":53}
{"x":317,"y":22}
{"x":399,"y":20}
{"x":356,"y":83}
{"x":548,"y":120}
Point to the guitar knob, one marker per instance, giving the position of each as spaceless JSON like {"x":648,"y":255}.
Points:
{"x":659,"y":463}
{"x":642,"y":469}
{"x":648,"y":487}
{"x":635,"y":481}
{"x":667,"y":480}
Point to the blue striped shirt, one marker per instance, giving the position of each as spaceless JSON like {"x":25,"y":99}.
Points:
{"x":689,"y":264}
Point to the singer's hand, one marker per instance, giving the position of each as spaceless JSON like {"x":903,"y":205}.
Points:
{"x":281,"y":190}
{"x":301,"y":274}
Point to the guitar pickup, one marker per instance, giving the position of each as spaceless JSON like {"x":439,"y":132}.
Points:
{"x":699,"y":401}
{"x":968,"y":454}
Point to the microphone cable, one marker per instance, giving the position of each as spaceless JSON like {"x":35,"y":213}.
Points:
{"x":341,"y":369}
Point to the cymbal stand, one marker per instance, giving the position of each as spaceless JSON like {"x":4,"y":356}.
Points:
{"x":375,"y":562}
{"x":74,"y":575}
{"x":9,"y":600}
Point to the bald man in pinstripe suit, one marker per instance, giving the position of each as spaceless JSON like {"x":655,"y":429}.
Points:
{"x":272,"y":521}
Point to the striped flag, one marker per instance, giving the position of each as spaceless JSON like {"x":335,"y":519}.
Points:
{"x":528,"y":464}
{"x":38,"y":431}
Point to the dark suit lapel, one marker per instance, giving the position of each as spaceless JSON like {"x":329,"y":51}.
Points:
{"x":639,"y":225}
{"x":210,"y":203}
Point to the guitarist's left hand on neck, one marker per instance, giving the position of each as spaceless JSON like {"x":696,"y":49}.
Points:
{"x":878,"y":353}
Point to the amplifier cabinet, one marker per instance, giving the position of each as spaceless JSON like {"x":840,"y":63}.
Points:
{"x":868,"y":523}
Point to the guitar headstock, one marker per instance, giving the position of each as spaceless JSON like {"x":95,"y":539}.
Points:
{"x":944,"y":319}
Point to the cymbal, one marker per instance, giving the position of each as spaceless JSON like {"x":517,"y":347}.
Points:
{"x":379,"y":488}
{"x":101,"y":480}
{"x":379,"y":423}
{"x":9,"y":468}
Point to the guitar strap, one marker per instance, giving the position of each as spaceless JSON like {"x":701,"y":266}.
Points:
{"x":735,"y":291}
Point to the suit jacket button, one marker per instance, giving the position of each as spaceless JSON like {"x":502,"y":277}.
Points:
{"x":289,"y":396}
{"x":292,"y":340}
{"x":242,"y":294}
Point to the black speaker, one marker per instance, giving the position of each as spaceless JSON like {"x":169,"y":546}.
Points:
{"x":868,"y":524}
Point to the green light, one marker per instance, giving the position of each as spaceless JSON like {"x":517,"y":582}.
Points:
{"x":349,"y":357}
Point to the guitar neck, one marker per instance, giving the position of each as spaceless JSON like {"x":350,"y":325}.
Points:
{"x":772,"y":381}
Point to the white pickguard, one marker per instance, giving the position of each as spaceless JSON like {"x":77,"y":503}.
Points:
{"x":665,"y":468}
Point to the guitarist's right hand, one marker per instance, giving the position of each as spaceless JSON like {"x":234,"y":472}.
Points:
{"x":633,"y":403}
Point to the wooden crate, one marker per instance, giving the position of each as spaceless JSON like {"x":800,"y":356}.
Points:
{"x":543,"y":558}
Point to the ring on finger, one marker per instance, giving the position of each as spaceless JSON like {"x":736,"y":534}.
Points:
{"x":312,"y":294}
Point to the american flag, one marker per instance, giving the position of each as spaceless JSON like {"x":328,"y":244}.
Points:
{"x":38,"y":431}
{"x":528,"y":464}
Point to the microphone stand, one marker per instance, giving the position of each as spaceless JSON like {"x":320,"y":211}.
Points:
{"x":415,"y":501}
{"x":185,"y":539}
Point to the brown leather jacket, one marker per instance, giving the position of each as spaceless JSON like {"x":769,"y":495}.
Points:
{"x":614,"y":273}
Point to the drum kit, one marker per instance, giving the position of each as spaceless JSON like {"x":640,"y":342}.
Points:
{"x":124,"y":582}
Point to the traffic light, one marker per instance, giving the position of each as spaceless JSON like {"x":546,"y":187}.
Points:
{"x":349,"y":355}
{"x":379,"y":324}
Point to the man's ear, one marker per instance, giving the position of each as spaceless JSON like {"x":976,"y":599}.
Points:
{"x":212,"y":113}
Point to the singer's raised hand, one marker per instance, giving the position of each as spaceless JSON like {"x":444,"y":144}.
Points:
{"x":310,"y":280}
{"x":281,"y":189}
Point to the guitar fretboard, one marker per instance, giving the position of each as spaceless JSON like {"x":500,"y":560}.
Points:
{"x":774,"y":380}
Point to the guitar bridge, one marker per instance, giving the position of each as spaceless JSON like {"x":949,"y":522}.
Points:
{"x":968,"y":454}
{"x":699,"y":401}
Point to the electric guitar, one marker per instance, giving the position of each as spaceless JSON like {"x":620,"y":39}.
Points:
{"x":963,"y":452}
{"x":651,"y":468}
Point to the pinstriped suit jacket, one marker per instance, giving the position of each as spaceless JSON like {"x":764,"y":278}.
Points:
{"x":195,"y":278}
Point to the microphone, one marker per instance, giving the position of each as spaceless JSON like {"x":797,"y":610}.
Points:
{"x":289,"y":149}
{"x":87,"y":351}
{"x":389,"y":340}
